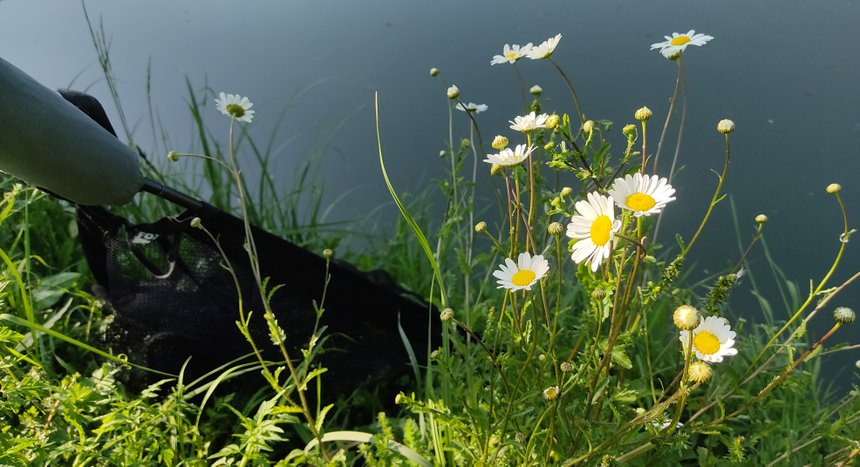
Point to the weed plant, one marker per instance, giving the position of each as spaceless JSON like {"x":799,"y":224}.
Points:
{"x":570,"y":334}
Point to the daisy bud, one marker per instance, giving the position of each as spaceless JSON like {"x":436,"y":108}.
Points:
{"x":446,"y":314}
{"x":643,"y":114}
{"x":196,"y":223}
{"x":726,"y":126}
{"x":857,"y":364}
{"x":398,"y":399}
{"x":495,"y":169}
{"x":172,"y":156}
{"x":548,"y":146}
{"x":434,"y":72}
{"x":588,"y":126}
{"x":844,"y":315}
{"x":598,"y":294}
{"x":761,"y":219}
{"x":499,"y":143}
{"x":833,"y":188}
{"x":700,"y":372}
{"x":555,"y":228}
{"x":536,"y":90}
{"x":629,"y":130}
{"x":686,"y":317}
{"x":328,"y":253}
{"x":480,"y":227}
{"x":453,"y":92}
{"x":442,"y":153}
{"x":551,"y":393}
{"x":566,"y":191}
{"x":566,"y":367}
{"x":551,"y":122}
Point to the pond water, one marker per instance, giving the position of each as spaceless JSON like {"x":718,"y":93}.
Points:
{"x":786,"y":71}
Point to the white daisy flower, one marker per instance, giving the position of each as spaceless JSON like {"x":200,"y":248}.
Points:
{"x":235,"y":106}
{"x":545,"y":49}
{"x":471,"y":107}
{"x":594,"y":224}
{"x":642,"y":194}
{"x":508,"y":157}
{"x":511,"y":53}
{"x":528,"y":123}
{"x":713,"y":339}
{"x":523,"y":274}
{"x":678,"y":42}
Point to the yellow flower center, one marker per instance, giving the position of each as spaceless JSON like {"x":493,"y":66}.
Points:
{"x":236,"y":110}
{"x":512,"y":56}
{"x":680,"y":40}
{"x":640,"y":202}
{"x":600,"y":229}
{"x":706,"y":343}
{"x":523,"y":278}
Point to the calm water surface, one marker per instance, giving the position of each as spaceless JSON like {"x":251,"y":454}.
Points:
{"x":786,"y":71}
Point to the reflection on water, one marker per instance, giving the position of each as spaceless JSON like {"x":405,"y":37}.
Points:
{"x":793,"y":96}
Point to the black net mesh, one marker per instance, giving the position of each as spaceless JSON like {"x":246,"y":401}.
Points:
{"x":173,"y":298}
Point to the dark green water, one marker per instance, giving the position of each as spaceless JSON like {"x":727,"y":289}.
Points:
{"x":786,"y":71}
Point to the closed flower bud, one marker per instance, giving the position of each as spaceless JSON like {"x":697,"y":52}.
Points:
{"x":598,"y":294}
{"x":480,"y":226}
{"x":548,"y":146}
{"x":566,"y":367}
{"x":446,"y":314}
{"x":566,"y":191}
{"x":328,"y":253}
{"x":833,"y":188}
{"x":499,"y":142}
{"x":761,"y":218}
{"x":172,"y":156}
{"x":686,"y":317}
{"x":536,"y":90}
{"x":453,"y":92}
{"x":588,"y":126}
{"x":495,"y":169}
{"x":434,"y":72}
{"x":552,"y":122}
{"x":726,"y":126}
{"x":196,"y":223}
{"x":629,"y":130}
{"x":700,"y":372}
{"x":643,"y":114}
{"x":555,"y":228}
{"x":844,"y":315}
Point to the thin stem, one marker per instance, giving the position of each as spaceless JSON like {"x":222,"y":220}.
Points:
{"x":714,"y":200}
{"x":569,"y":87}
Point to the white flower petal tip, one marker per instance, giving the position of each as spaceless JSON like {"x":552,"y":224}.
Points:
{"x":471,"y":107}
{"x":545,"y":49}
{"x":511,"y":53}
{"x":523,"y":274}
{"x":642,"y":194}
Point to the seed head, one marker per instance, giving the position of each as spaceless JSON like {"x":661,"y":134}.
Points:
{"x":588,"y":127}
{"x":844,"y":315}
{"x":446,"y":314}
{"x":480,"y":227}
{"x":700,"y":372}
{"x":499,"y":142}
{"x":725,"y":126}
{"x":686,"y":317}
{"x":555,"y":228}
{"x":453,"y":92}
{"x":566,"y":367}
{"x":833,"y":188}
{"x":643,"y":114}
